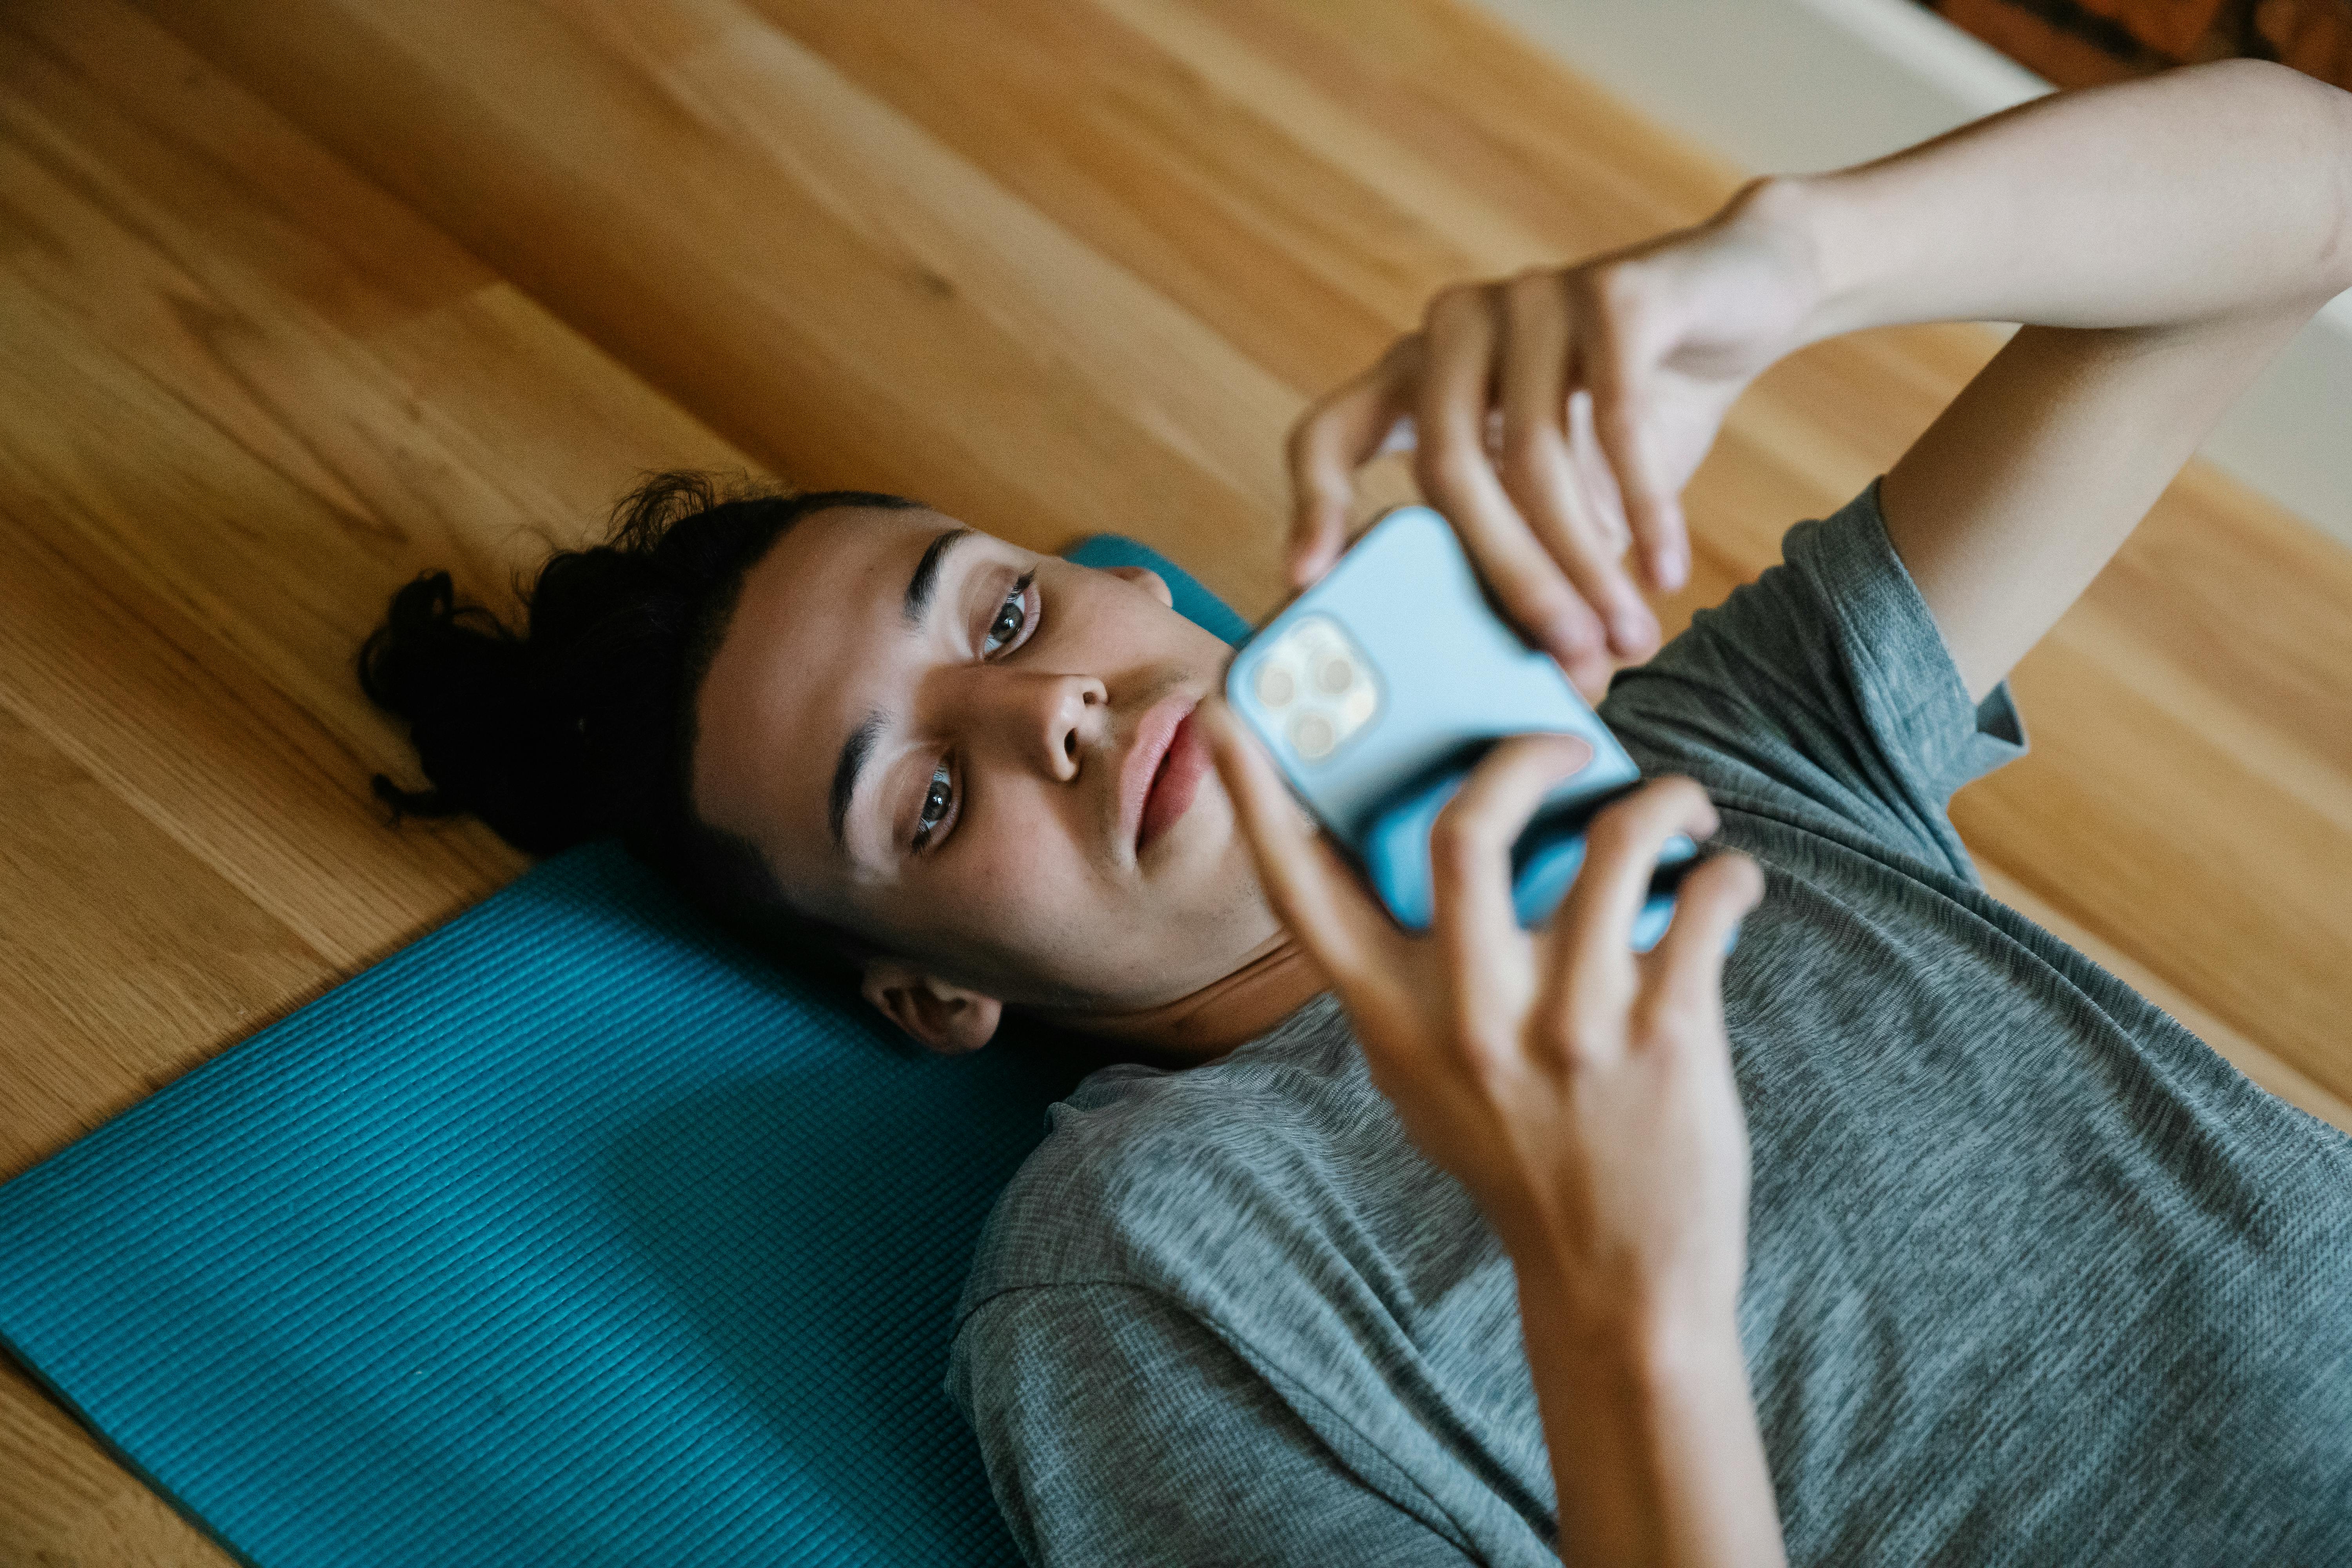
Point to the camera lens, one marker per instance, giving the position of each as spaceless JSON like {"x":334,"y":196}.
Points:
{"x":1311,"y":733}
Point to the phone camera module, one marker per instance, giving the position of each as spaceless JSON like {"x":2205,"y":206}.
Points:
{"x":1319,"y":680}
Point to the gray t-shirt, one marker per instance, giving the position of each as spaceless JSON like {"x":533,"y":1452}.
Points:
{"x":2033,"y":1276}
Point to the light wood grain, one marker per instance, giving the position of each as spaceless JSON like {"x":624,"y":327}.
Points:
{"x":298,"y":297}
{"x":248,"y":393}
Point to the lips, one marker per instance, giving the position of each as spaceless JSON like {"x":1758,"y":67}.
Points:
{"x":1178,"y":778}
{"x":1162,"y":770}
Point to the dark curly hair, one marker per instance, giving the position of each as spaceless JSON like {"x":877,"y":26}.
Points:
{"x":583,"y":726}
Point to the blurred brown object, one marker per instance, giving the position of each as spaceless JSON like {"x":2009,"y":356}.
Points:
{"x":2080,"y":43}
{"x":2059,"y":55}
{"x":2172,"y":27}
{"x":2314,"y":36}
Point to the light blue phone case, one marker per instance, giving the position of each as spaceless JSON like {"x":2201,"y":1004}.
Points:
{"x":1378,"y":688}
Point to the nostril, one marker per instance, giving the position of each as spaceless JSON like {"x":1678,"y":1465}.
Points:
{"x":1070,"y":744}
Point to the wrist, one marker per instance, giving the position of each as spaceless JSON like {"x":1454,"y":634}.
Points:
{"x":1654,"y":1338}
{"x":1849,"y":255}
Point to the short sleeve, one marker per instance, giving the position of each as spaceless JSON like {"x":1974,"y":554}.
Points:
{"x":1824,"y":687}
{"x":1116,"y":1428}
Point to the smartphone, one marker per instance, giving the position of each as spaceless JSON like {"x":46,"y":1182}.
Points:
{"x":1378,"y":691}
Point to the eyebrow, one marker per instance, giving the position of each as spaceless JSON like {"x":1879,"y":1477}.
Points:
{"x":853,"y":753}
{"x":927,"y":575}
{"x":861,"y":742}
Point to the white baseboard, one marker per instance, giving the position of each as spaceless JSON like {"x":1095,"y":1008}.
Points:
{"x":1795,"y":86}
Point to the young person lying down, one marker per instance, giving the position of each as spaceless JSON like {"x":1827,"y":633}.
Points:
{"x":1445,"y":1250}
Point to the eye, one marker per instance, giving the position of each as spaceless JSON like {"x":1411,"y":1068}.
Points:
{"x":936,"y":801}
{"x":1011,"y":616}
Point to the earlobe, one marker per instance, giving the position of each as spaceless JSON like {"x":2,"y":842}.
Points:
{"x":1150,"y":582}
{"x":946,"y":1019}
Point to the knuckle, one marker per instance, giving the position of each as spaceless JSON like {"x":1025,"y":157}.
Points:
{"x":1467,"y":1035}
{"x":1532,"y":288}
{"x":1430,"y":469}
{"x":1733,"y":877}
{"x":1551,"y":602}
{"x":1449,"y":305}
{"x":1564,"y":1037}
{"x":1679,"y":790}
{"x":1527,"y":445}
{"x":1300,"y":442}
{"x":1445,"y":464}
{"x":1570,"y":623}
{"x":1614,"y":825}
{"x":1462,"y":839}
{"x":1663,"y":1016}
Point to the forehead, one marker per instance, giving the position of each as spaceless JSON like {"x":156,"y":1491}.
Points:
{"x":815,"y":645}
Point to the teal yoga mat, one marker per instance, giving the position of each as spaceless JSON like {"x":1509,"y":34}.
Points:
{"x":572,"y":1233}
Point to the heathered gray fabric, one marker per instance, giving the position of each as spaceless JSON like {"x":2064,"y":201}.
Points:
{"x":2033,"y":1276}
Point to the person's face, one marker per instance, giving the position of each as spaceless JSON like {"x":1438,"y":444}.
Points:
{"x":979,"y":759}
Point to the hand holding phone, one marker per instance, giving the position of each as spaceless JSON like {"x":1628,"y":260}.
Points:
{"x":1556,"y":415}
{"x":1478,"y":988}
{"x":1582,"y":1094}
{"x":1379,"y":690}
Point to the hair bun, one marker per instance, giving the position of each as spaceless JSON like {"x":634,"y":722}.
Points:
{"x":583,"y":727}
{"x":485,"y":733}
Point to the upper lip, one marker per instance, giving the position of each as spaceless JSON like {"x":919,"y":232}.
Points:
{"x":1154,"y":732}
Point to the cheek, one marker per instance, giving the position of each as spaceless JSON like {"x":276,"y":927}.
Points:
{"x":1012,"y":884}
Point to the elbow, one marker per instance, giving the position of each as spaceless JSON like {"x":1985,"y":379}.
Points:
{"x":2304,"y":126}
{"x":2336,"y":251}
{"x":2328,"y":110}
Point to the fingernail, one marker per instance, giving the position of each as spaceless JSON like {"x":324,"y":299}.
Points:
{"x":1634,"y":630}
{"x":1669,"y":567}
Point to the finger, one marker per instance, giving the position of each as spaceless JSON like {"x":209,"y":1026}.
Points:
{"x":1458,"y":477}
{"x":1310,"y":889}
{"x":1683,"y":975}
{"x":1591,"y":465}
{"x":1341,"y":433}
{"x":1591,"y":938}
{"x":1614,"y":366}
{"x":1470,"y":865}
{"x":1538,"y":467}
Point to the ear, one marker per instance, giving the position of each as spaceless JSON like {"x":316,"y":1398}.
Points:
{"x":1150,"y":582}
{"x":946,"y":1019}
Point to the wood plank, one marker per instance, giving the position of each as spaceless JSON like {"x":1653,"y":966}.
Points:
{"x":106,"y":998}
{"x":844,"y":299}
{"x":248,"y":393}
{"x":67,"y":1504}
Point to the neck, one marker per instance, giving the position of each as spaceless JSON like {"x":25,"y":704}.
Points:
{"x":1274,"y":981}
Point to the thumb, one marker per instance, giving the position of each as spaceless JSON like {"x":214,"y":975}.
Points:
{"x":1340,"y":434}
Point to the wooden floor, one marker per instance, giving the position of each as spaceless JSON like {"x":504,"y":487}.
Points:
{"x":297,"y":297}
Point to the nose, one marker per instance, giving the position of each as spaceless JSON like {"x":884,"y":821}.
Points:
{"x":1047,"y":720}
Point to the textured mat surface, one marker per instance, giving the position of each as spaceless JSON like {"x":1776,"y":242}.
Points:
{"x":572,"y":1233}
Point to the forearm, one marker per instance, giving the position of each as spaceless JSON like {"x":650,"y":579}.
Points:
{"x":2209,"y":192}
{"x":1655,"y":1448}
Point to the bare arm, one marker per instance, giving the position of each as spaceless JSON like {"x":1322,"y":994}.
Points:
{"x":1584,"y":1095}
{"x":2162,"y":240}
